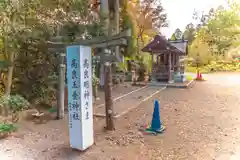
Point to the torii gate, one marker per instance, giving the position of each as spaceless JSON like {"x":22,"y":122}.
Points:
{"x":117,"y":40}
{"x":86,"y":123}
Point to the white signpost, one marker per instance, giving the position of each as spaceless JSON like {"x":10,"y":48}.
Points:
{"x":79,"y":82}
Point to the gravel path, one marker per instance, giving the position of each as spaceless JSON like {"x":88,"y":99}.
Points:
{"x":203,"y":123}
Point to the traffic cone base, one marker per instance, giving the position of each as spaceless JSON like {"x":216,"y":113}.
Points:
{"x":155,"y":131}
{"x":199,"y":76}
{"x":199,"y":79}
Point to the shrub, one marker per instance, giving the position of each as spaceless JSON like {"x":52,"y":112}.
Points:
{"x":215,"y":66}
{"x":6,"y":128}
{"x":15,"y":103}
{"x":192,"y":69}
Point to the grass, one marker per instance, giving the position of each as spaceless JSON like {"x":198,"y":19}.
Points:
{"x":191,"y":69}
{"x":189,"y":77}
{"x":7,"y":128}
{"x":52,"y":110}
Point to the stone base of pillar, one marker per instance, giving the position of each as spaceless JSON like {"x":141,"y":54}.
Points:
{"x":170,"y":82}
{"x":170,"y":78}
{"x":153,"y":78}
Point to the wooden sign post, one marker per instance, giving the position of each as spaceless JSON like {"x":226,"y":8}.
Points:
{"x":108,"y":96}
{"x":61,"y":87}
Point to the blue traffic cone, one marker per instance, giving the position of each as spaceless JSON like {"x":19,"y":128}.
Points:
{"x":156,"y":125}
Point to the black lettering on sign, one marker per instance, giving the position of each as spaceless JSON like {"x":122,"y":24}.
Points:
{"x":74,"y":63}
{"x":86,"y":74}
{"x":86,"y":63}
{"x":86,"y":94}
{"x":74,"y":74}
{"x":75,"y":106}
{"x":76,"y":116}
{"x":87,"y":115}
{"x":75,"y":95}
{"x":86,"y":84}
{"x":74,"y":85}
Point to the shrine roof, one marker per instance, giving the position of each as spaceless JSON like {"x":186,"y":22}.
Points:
{"x":160,"y":45}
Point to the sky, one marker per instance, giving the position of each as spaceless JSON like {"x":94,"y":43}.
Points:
{"x":180,"y":12}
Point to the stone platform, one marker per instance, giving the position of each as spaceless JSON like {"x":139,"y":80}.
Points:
{"x":117,"y":92}
{"x":185,"y":84}
{"x":124,"y":104}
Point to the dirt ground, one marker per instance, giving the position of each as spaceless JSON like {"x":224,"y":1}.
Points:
{"x":202,"y":123}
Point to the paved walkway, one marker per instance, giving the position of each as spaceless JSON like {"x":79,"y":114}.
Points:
{"x":129,"y":101}
{"x":119,"y":91}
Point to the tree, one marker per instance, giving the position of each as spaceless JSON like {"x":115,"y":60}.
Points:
{"x":217,"y":33}
{"x":25,"y":27}
{"x":12,"y":26}
{"x":148,"y":17}
{"x":189,"y":33}
{"x":177,"y":35}
{"x":219,"y":29}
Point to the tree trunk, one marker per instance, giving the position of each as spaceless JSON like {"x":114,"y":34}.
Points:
{"x":117,"y":19}
{"x":10,"y":74}
{"x":61,"y":86}
{"x":104,"y":10}
{"x":3,"y":110}
{"x":138,"y":51}
{"x":108,"y":97}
